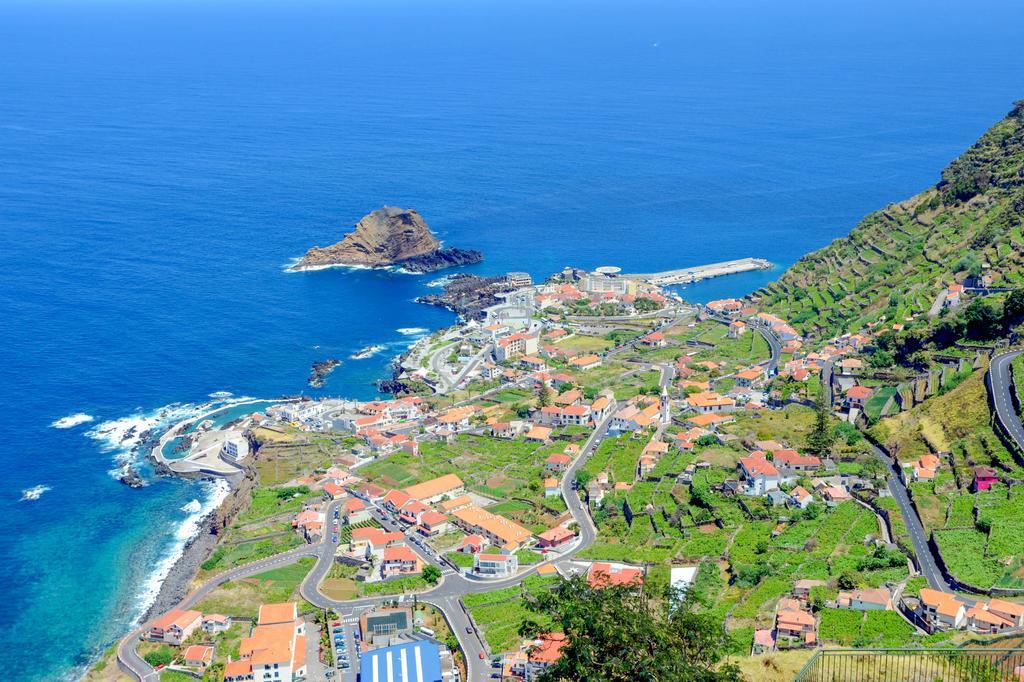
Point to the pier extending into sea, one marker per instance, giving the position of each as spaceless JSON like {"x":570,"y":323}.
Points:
{"x":699,"y":272}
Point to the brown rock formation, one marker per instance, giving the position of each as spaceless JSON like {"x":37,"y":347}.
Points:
{"x":389,"y":236}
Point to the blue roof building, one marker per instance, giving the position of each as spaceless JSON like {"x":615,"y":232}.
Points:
{"x":411,"y":662}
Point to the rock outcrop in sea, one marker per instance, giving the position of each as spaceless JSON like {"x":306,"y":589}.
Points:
{"x":389,"y":236}
{"x":319,"y":371}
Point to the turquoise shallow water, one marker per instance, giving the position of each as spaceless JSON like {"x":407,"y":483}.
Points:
{"x":163,"y":162}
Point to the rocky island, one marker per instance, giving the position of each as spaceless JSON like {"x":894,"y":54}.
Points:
{"x":389,"y":236}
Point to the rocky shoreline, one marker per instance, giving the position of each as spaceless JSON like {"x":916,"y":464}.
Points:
{"x":182,"y":574}
{"x":468,"y":295}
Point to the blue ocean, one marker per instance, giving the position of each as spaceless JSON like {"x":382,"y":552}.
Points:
{"x":161,"y":163}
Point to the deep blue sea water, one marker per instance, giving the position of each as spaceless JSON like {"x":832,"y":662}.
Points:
{"x":160,"y":163}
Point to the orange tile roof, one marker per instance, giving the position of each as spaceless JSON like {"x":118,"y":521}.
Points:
{"x":240,"y":668}
{"x":507,"y":530}
{"x":285,"y":612}
{"x":460,"y":501}
{"x":198,"y":652}
{"x":709,"y":399}
{"x":548,"y":648}
{"x":434,"y":487}
{"x":404,"y":554}
{"x":539,"y":433}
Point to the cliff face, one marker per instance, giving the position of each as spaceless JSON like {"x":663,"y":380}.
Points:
{"x":898,"y":259}
{"x":389,"y":236}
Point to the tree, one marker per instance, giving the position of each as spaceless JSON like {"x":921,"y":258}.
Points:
{"x":847,"y":580}
{"x":821,"y":437}
{"x":431,"y":574}
{"x":880,"y":358}
{"x":643,"y":304}
{"x":622,"y":633}
{"x":543,"y":395}
{"x":1013,"y":308}
{"x":583,"y":477}
{"x":983,"y":322}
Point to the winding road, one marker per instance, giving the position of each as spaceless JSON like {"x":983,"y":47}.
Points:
{"x":446,"y":597}
{"x":128,"y":658}
{"x":1001,"y":388}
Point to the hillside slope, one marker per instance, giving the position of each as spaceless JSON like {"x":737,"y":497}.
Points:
{"x":898,"y":259}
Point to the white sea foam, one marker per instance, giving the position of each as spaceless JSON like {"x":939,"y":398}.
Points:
{"x":220,"y":395}
{"x":120,"y":436}
{"x":290,"y":267}
{"x":72,"y":420}
{"x":33,"y":493}
{"x":439,"y":282}
{"x":367,"y":352}
{"x":183,"y":532}
{"x":412,"y":331}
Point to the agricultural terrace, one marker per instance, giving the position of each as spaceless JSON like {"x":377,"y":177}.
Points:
{"x":758,"y":557}
{"x":509,"y":470}
{"x":341,"y":584}
{"x":288,"y":453}
{"x":982,"y":540}
{"x":242,"y":598}
{"x":881,"y":629}
{"x":500,"y":613}
{"x":708,"y":341}
{"x":958,"y":422}
{"x":262,"y":530}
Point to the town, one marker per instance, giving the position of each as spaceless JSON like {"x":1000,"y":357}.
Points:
{"x":591,"y":425}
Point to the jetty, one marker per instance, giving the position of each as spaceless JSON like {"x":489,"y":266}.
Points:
{"x":699,"y":272}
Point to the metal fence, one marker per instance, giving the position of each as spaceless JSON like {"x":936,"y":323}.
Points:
{"x":913,"y":665}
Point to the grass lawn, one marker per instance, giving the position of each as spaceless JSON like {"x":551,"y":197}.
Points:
{"x":461,"y":559}
{"x":581,"y":344}
{"x":243,"y":597}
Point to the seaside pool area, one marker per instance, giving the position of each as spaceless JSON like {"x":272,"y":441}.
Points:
{"x":218,"y":418}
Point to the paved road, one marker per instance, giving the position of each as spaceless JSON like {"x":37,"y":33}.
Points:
{"x":1000,"y":386}
{"x":127,"y":657}
{"x":446,"y":597}
{"x":925,"y":559}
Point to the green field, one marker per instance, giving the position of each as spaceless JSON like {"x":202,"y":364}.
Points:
{"x":510,"y":470}
{"x":500,"y":613}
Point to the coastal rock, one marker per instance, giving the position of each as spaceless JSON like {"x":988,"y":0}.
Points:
{"x":321,"y":368}
{"x":389,"y":236}
{"x":131,"y":477}
{"x":469,"y":295}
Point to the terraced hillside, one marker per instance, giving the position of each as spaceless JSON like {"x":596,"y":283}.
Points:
{"x":898,"y":259}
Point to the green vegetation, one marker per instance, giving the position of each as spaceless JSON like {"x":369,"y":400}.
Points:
{"x":614,"y":632}
{"x":502,"y":469}
{"x":897,"y":260}
{"x":243,"y":597}
{"x":501,"y":613}
{"x":882,"y":629}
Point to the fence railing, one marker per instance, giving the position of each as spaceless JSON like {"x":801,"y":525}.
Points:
{"x":913,"y":665}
